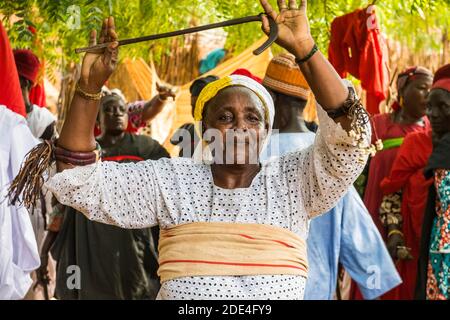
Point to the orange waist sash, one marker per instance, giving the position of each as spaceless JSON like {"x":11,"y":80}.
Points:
{"x":230,"y":249}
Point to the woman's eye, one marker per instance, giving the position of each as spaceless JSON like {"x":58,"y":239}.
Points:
{"x":225,"y":117}
{"x":253,"y":118}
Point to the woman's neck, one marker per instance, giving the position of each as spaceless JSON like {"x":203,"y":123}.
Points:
{"x":234,"y":176}
{"x":402,"y":117}
{"x":295,"y":127}
{"x":295,"y":124}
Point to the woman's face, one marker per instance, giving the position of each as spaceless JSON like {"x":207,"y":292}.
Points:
{"x":438,"y":111}
{"x":114,"y":116}
{"x":235,"y":119}
{"x":415,"y":95}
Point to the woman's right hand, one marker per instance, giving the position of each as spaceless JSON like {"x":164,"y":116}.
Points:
{"x":293,"y":27}
{"x":42,"y":276}
{"x":165,"y":92}
{"x":98,"y":66}
{"x":392,"y":244}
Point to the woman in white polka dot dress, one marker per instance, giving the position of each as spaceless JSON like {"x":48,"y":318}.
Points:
{"x":230,"y":231}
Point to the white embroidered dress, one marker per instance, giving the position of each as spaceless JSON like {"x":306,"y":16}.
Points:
{"x":286,"y":193}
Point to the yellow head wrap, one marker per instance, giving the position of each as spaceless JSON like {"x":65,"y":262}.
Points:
{"x":212,"y":89}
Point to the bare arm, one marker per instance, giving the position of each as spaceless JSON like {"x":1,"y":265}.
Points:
{"x":42,"y":275}
{"x":154,"y":106}
{"x":294,"y":35}
{"x":78,"y":131}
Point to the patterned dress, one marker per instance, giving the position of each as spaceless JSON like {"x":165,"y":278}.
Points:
{"x":114,"y":263}
{"x":438,"y":283}
{"x":286,"y":193}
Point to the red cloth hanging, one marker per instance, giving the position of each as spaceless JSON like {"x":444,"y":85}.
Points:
{"x":10,"y":92}
{"x":343,"y":50}
{"x":358,"y":48}
{"x":37,"y":95}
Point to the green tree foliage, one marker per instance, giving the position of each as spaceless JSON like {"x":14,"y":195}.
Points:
{"x":63,"y":25}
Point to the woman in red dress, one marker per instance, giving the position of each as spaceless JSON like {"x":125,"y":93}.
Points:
{"x":407,"y":177}
{"x":408,"y":115}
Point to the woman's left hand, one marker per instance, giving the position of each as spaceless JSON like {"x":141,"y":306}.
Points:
{"x":293,"y":26}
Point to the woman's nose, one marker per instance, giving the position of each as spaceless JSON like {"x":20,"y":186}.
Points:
{"x":240,"y":124}
{"x":243,"y":129}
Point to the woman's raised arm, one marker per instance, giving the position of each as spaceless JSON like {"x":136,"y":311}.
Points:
{"x":294,"y":35}
{"x":78,"y":131}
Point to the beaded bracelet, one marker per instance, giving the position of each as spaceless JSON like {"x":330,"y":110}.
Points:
{"x":350,"y":104}
{"x":314,"y":49}
{"x":77,"y":155}
{"x":77,"y":158}
{"x":75,"y":162}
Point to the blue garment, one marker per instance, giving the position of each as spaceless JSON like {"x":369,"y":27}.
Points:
{"x":347,"y":235}
{"x":212,"y":60}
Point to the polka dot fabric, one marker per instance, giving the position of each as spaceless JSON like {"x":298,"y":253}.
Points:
{"x":286,"y":193}
{"x":275,"y":287}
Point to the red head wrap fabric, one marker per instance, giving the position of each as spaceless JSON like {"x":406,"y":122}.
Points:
{"x":245,"y":72}
{"x":442,"y":78}
{"x":27,"y":64}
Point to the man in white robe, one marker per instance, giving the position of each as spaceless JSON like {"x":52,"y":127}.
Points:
{"x":18,"y":249}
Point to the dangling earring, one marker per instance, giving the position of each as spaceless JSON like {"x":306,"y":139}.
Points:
{"x":401,"y":102}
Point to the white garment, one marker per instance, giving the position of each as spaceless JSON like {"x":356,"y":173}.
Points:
{"x":282,"y":143}
{"x":18,"y":250}
{"x":285,"y":193}
{"x":39,"y":119}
